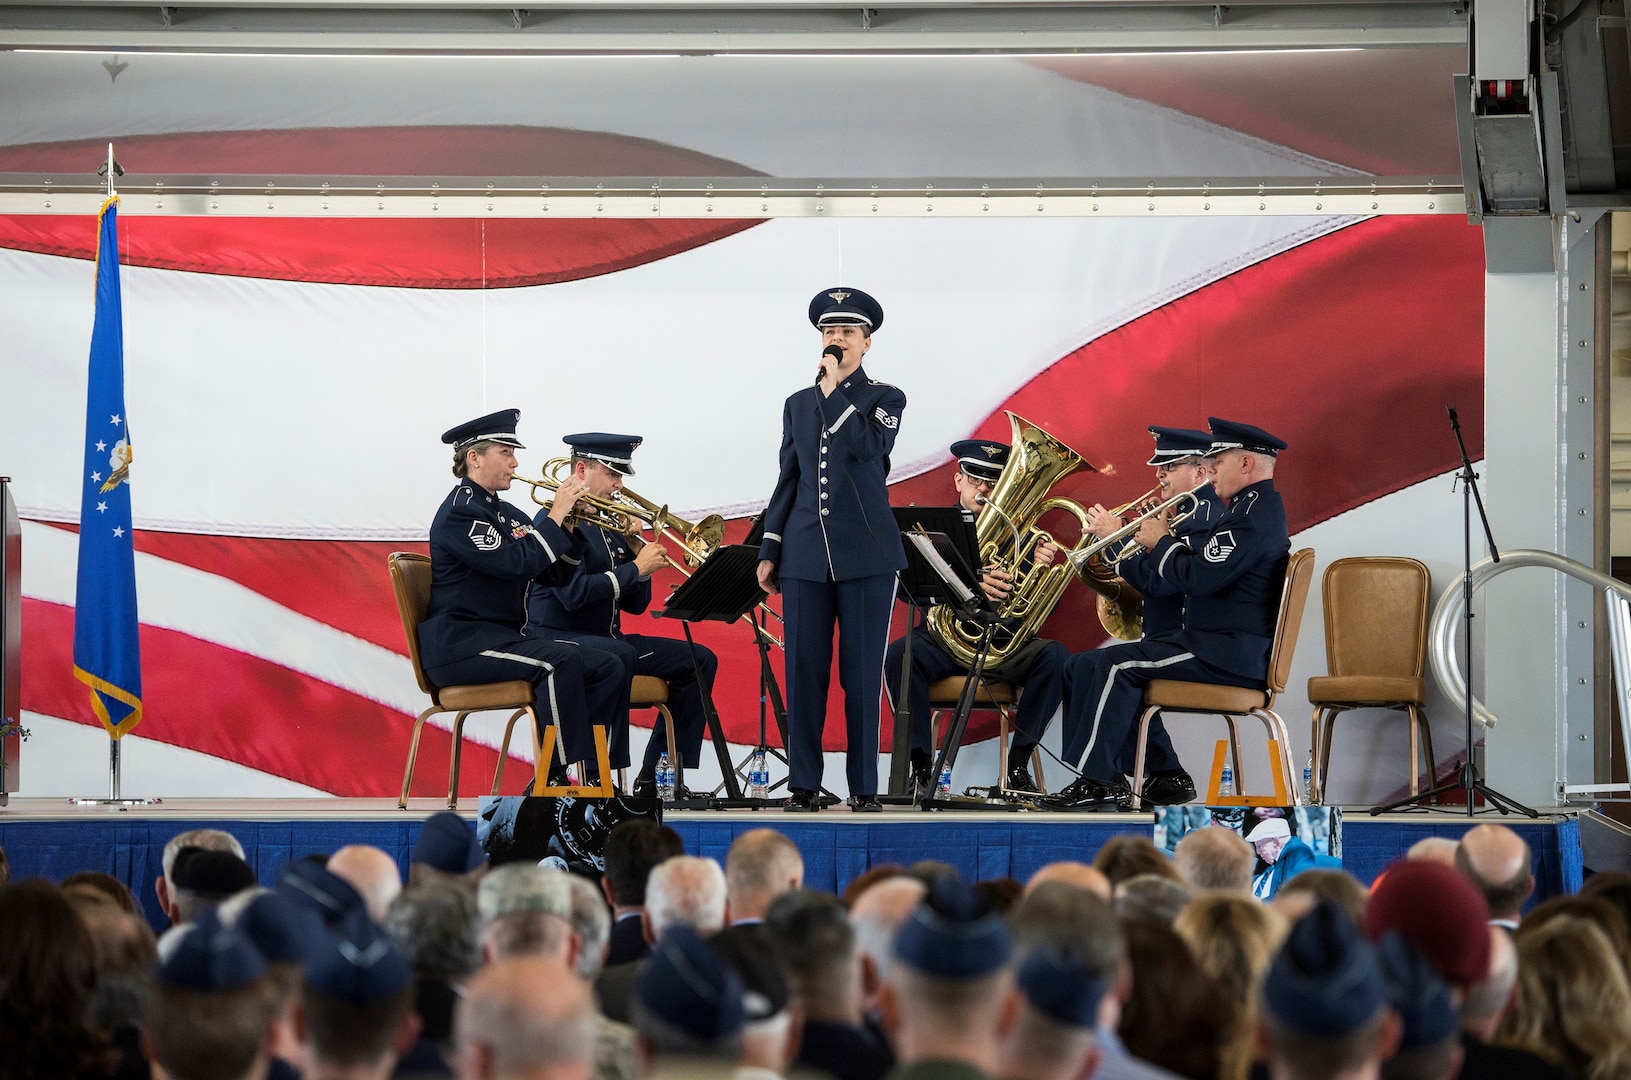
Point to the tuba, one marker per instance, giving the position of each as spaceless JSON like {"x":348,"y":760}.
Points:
{"x":1036,"y":462}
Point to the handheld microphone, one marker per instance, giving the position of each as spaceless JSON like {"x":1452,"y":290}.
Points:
{"x":834,"y":351}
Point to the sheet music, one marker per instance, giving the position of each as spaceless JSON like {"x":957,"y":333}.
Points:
{"x":925,"y":547}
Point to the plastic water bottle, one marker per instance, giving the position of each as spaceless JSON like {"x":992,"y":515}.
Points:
{"x":758,"y":775}
{"x":665,"y":779}
{"x":1226,"y":781}
{"x":1308,"y":779}
{"x":942,"y":787}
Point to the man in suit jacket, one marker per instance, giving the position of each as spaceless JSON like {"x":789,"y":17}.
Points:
{"x":1285,"y":855}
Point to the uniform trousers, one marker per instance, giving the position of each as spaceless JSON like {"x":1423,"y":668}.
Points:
{"x":860,"y":608}
{"x":670,"y":661}
{"x":1039,"y":667}
{"x":1104,"y":694}
{"x":576,"y":687}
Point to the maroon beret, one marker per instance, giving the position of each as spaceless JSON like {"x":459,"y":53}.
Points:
{"x":1438,"y":911}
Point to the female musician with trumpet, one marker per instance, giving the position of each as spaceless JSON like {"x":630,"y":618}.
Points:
{"x":614,"y":576}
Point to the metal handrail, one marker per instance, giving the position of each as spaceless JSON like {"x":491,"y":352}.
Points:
{"x":1450,"y":610}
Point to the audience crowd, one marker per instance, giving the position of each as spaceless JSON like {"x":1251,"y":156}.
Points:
{"x":1136,"y":967}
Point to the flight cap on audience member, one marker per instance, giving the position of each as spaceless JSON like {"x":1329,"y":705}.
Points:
{"x":211,"y":875}
{"x":686,"y":984}
{"x":1059,"y":984}
{"x":496,"y":427}
{"x":1439,"y":911}
{"x":521,"y":887}
{"x":210,"y":958}
{"x":448,"y":843}
{"x":616,"y":451}
{"x":359,"y":967}
{"x":981,"y":459}
{"x":841,"y":306}
{"x":327,"y":895}
{"x":1176,"y":443}
{"x":1417,"y":993}
{"x":953,"y":934}
{"x":748,"y":949}
{"x":1325,"y":982}
{"x":283,"y":929}
{"x":1233,"y":435}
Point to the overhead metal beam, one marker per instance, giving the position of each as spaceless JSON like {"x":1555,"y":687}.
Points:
{"x":734,"y":197}
{"x":723,"y":27}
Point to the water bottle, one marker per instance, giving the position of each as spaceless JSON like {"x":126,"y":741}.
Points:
{"x":665,"y":779}
{"x":1226,"y":781}
{"x":758,"y":775}
{"x":1308,"y":779}
{"x":942,"y":787}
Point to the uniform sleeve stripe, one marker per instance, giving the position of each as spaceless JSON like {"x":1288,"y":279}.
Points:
{"x":773,"y":536}
{"x":1160,"y":569}
{"x":545,"y":543}
{"x":836,"y":424}
{"x":617,"y":589}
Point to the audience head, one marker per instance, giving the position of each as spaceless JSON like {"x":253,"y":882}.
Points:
{"x":1614,"y":886}
{"x":877,"y":915}
{"x":592,"y":923}
{"x":125,"y":957}
{"x":1429,"y":1030}
{"x":211,"y":1011}
{"x":1174,"y":1016}
{"x":1151,"y":896}
{"x":447,"y":847}
{"x":525,"y":1017}
{"x":526,"y":910}
{"x":1594,"y":909}
{"x":760,"y":866}
{"x":372,"y":873}
{"x":1233,"y":938}
{"x":815,"y":940}
{"x":209,"y":840}
{"x":1000,"y":894}
{"x":1439,"y":849}
{"x":1215,"y":858}
{"x":1055,"y":915}
{"x":1128,"y":855}
{"x":1438,"y":911}
{"x":686,"y":1001}
{"x":435,"y":925}
{"x":1078,"y":874}
{"x":356,"y":1004}
{"x":1486,"y":1003}
{"x":685,"y":891}
{"x":201,"y":878}
{"x":633,"y":849}
{"x":873,"y":876}
{"x":1297,"y":896}
{"x":332,"y":899}
{"x":47,"y":979}
{"x":1325,"y":1008}
{"x":95,"y":882}
{"x":1573,"y":1004}
{"x":1053,"y":1033}
{"x":770,"y":1037}
{"x":1497,"y":860}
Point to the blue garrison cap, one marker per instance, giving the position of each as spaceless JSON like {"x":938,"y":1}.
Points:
{"x":1325,"y":982}
{"x":1058,"y":983}
{"x":839,"y":306}
{"x":359,"y":967}
{"x":328,"y":896}
{"x":496,"y":427}
{"x":615,"y":450}
{"x":448,"y":843}
{"x":1230,"y":435}
{"x":1417,"y":993}
{"x":283,"y":929}
{"x":211,"y":875}
{"x":686,"y":984}
{"x":982,"y":459}
{"x":210,"y":958}
{"x":953,"y":934}
{"x":1176,"y":443}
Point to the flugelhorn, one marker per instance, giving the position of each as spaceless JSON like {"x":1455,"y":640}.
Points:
{"x":1120,"y":545}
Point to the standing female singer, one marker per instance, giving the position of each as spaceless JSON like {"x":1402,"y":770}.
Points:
{"x":831,"y":546}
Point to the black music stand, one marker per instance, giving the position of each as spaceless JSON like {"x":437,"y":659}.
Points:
{"x":920,"y":585}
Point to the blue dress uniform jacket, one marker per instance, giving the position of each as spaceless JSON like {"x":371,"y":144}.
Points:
{"x":595,"y":593}
{"x":829,"y":518}
{"x":1164,"y":611}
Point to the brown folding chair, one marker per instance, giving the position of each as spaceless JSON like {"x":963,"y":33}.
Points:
{"x":1168,"y":696}
{"x":410,"y":578}
{"x":650,"y":692}
{"x":1000,"y":696}
{"x":1376,"y":653}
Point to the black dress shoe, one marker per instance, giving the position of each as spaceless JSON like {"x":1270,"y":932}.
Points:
{"x":1019,"y":779}
{"x":1169,"y":787}
{"x":865,"y":804}
{"x":1086,"y":793}
{"x":802,"y":801}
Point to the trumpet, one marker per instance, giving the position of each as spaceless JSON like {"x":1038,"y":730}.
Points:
{"x":1112,"y":550}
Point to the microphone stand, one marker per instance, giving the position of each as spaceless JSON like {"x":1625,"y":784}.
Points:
{"x":1467,"y":780}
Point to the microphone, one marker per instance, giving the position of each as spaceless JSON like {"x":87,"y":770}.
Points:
{"x":834,"y":351}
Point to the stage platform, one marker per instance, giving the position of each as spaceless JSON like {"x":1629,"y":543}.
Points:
{"x":51,"y":838}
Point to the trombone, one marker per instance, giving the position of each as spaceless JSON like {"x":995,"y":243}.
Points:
{"x":625,"y":511}
{"x":1120,"y":545}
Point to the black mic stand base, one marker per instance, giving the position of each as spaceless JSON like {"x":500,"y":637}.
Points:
{"x":1469,"y":785}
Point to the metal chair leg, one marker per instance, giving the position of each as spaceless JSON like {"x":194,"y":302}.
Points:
{"x":1234,"y":751}
{"x":1278,"y":732}
{"x":504,"y":749}
{"x":413,"y":753}
{"x":453,"y":769}
{"x":1418,"y":718}
{"x":1138,"y":758}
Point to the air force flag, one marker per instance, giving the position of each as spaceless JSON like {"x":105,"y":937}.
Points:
{"x":107,"y":656}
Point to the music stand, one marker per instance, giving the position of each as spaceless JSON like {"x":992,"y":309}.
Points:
{"x":921,"y":585}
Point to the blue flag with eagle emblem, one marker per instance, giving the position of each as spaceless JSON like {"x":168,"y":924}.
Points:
{"x":107,"y":654}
